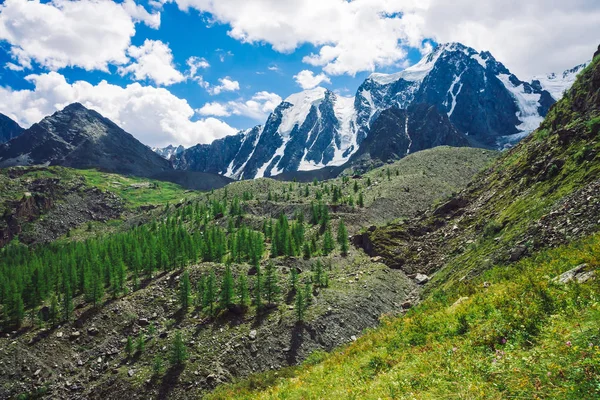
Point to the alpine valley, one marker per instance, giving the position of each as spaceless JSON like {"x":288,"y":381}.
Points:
{"x":436,"y":236}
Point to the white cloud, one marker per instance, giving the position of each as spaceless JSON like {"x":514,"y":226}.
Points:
{"x":153,"y":115}
{"x":529,"y":37}
{"x":308,"y":80}
{"x":227,"y":85}
{"x":13,"y":67}
{"x":139,"y":13}
{"x":196,"y":63}
{"x":90,"y":34}
{"x":153,"y":61}
{"x":257,"y":108}
{"x":215,"y":109}
{"x":352,"y":36}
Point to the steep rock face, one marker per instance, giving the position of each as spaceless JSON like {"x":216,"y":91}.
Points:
{"x":307,"y":131}
{"x":397,"y":133}
{"x":9,"y":129}
{"x":169,"y":151}
{"x":213,"y":158}
{"x":479,"y":94}
{"x":81,"y":138}
{"x":318,"y":128}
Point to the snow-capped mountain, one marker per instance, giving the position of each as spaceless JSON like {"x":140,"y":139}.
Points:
{"x":307,"y":131}
{"x":482,"y":99}
{"x":558,"y":84}
{"x":479,"y":94}
{"x":169,"y":151}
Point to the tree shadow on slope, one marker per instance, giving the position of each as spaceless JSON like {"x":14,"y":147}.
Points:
{"x":296,"y":341}
{"x":170,"y":381}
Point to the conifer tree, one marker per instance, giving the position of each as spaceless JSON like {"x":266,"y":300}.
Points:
{"x":242,"y":291}
{"x":97,"y":289}
{"x":271,"y":286}
{"x":157,"y":365}
{"x":258,"y":288}
{"x":318,"y":274}
{"x":307,"y":293}
{"x":355,"y":186}
{"x":227,"y":294}
{"x":184,"y":291}
{"x":328,"y":243}
{"x":53,"y":309}
{"x":178,"y":350}
{"x":342,"y":238}
{"x":211,"y":291}
{"x":361,"y":200}
{"x":129,"y":347}
{"x":293,"y":280}
{"x":306,"y":252}
{"x":67,"y":302}
{"x":200,"y":290}
{"x":140,"y":344}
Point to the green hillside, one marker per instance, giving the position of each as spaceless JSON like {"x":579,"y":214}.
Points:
{"x":494,"y":322}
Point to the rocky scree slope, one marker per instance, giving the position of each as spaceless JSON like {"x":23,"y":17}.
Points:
{"x":542,"y":193}
{"x":85,"y":359}
{"x":42,"y":204}
{"x":482,"y":99}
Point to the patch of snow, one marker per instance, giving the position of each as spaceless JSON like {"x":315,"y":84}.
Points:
{"x":416,"y":73}
{"x":302,"y":103}
{"x":345,"y":113}
{"x":407,"y":135}
{"x":558,"y":84}
{"x":527,"y":104}
{"x":279,"y":152}
{"x":452,"y":94}
{"x":369,"y":97}
{"x":236,"y":174}
{"x":480,"y":60}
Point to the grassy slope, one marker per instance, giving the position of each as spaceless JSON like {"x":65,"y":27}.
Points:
{"x":158,"y":193}
{"x":521,"y":337}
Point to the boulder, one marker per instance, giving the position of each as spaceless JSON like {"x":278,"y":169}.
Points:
{"x":421,"y":279}
{"x":579,"y":274}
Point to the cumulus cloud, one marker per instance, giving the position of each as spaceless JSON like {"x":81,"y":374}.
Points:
{"x":153,"y":115}
{"x":530,"y":37}
{"x":226,"y":85}
{"x":258,"y":107}
{"x":215,"y":109}
{"x":195,"y":63}
{"x":352,"y":36}
{"x":153,"y":61}
{"x":308,"y":80}
{"x":361,"y":35}
{"x":90,"y":34}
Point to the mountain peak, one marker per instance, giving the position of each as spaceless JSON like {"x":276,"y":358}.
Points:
{"x":310,"y":95}
{"x":75,"y":107}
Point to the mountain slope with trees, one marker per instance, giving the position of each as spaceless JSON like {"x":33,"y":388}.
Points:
{"x":185,"y":287}
{"x":512,"y":306}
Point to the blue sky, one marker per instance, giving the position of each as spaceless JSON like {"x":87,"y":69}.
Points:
{"x":131,"y":60}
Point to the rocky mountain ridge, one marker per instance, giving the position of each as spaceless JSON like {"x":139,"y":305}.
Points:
{"x":81,"y":138}
{"x":317,"y":128}
{"x":9,"y":129}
